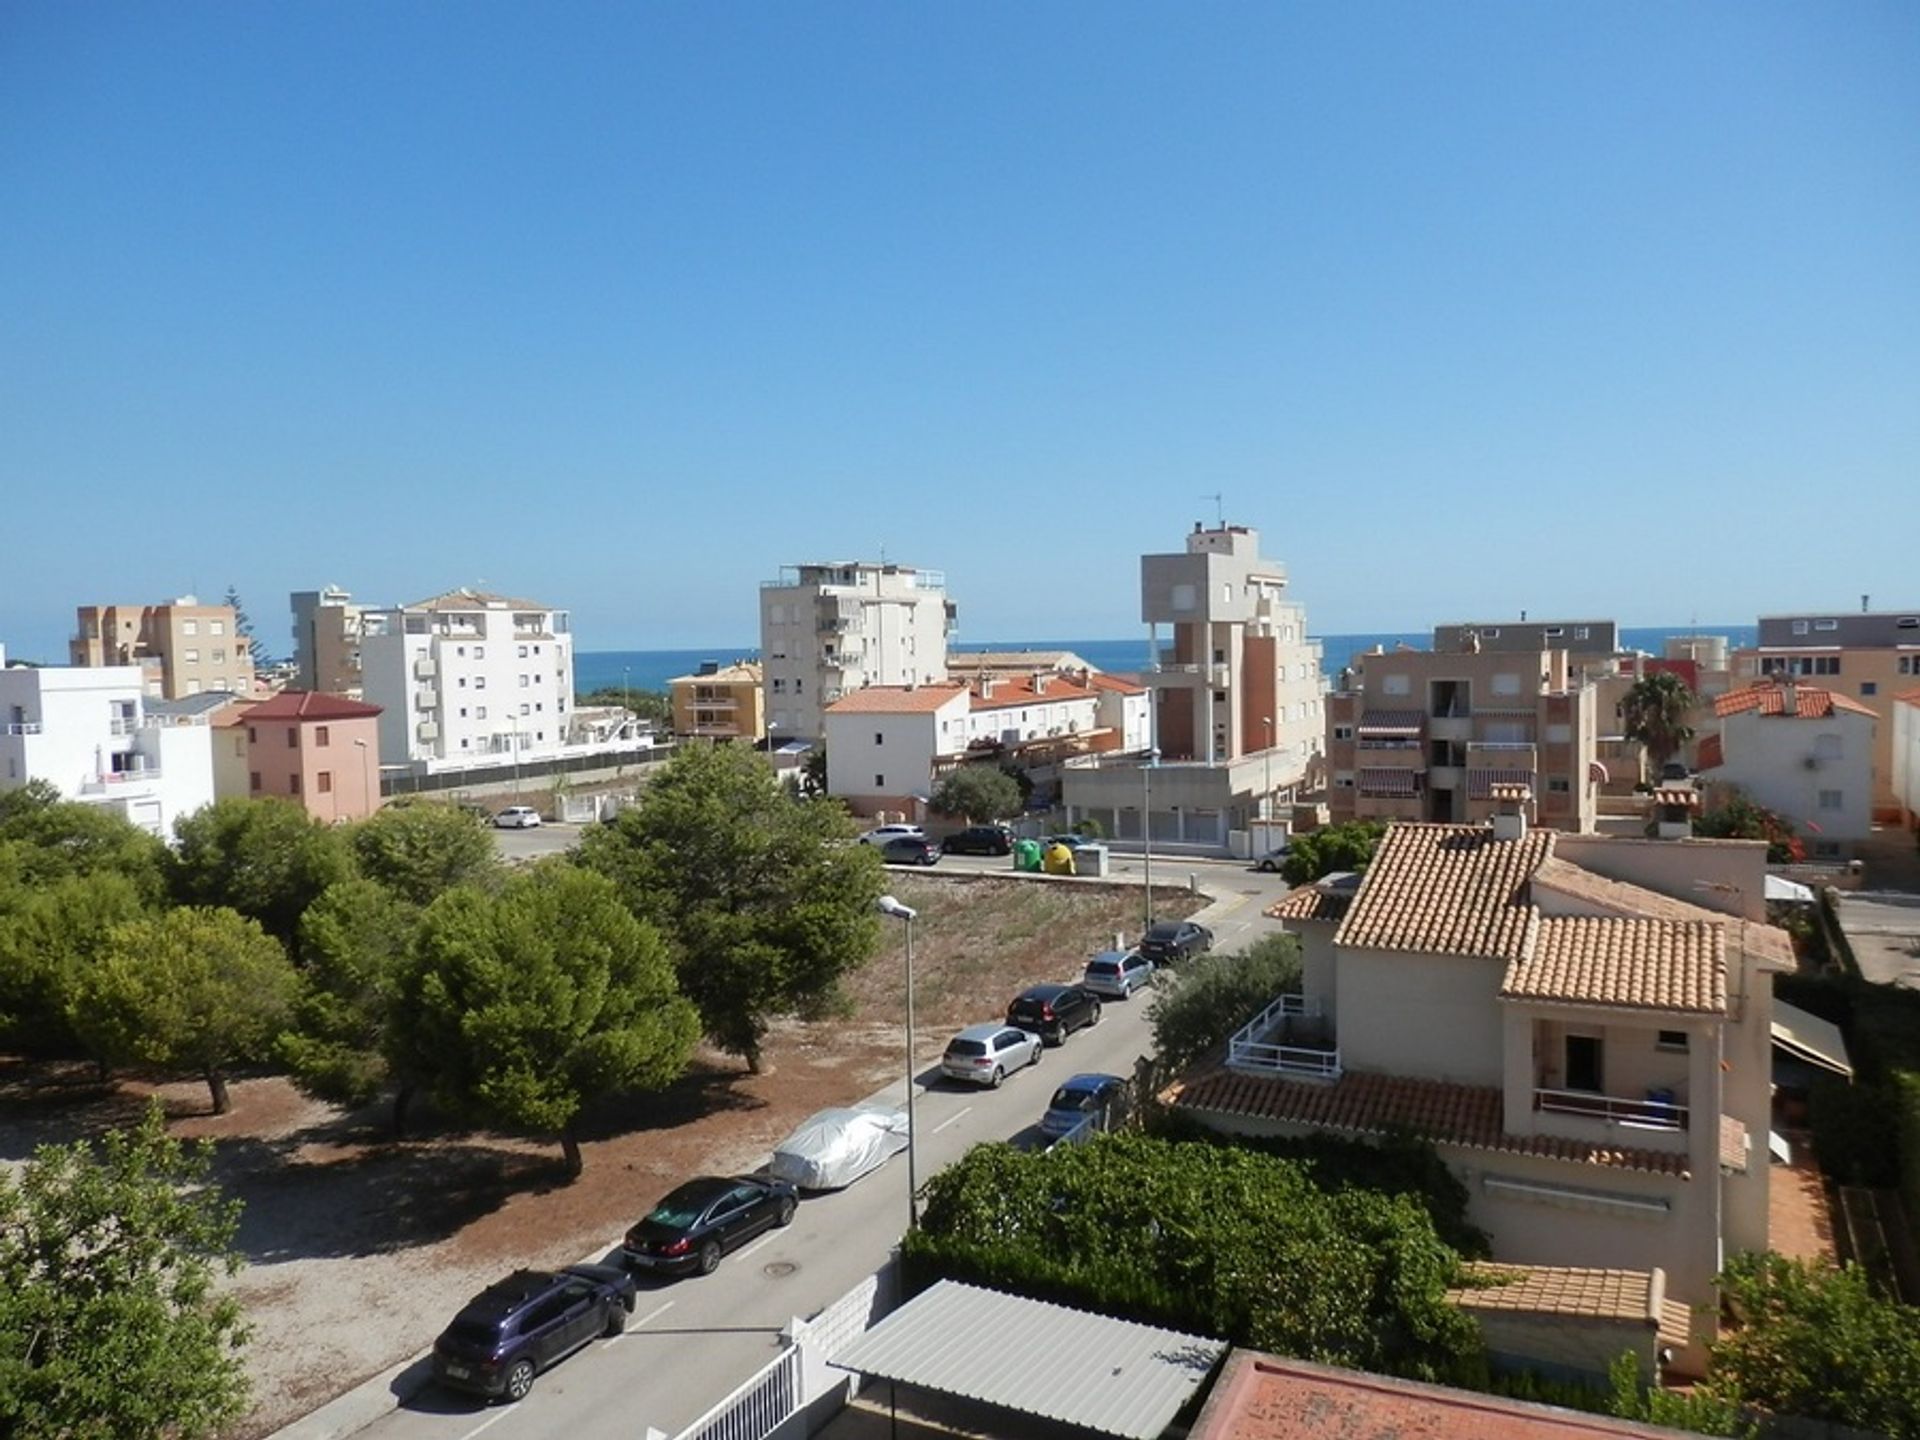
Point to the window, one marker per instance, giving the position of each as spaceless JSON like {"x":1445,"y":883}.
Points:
{"x":189,"y":627}
{"x":1671,"y":1040}
{"x":523,"y":652}
{"x":1343,"y":732}
{"x":1832,"y":800}
{"x":293,"y":737}
{"x":1219,"y":657}
{"x":879,"y":782}
{"x":1826,"y":624}
{"x":1182,"y":597}
{"x":479,"y":652}
{"x":879,"y":737}
{"x":1910,"y":664}
{"x":324,"y":782}
{"x":253,"y":736}
{"x":293,"y":783}
{"x":538,"y":706}
{"x":463,"y":682}
{"x":1583,"y":632}
{"x":193,"y":687}
{"x":1554,"y":632}
{"x":1559,"y":785}
{"x":321,"y":735}
{"x":1800,"y":627}
{"x":1869,"y":687}
{"x":1344,"y":780}
{"x":479,"y":712}
{"x":460,"y":650}
{"x":479,"y":682}
{"x":525,"y":709}
{"x":192,"y":657}
{"x":1396,"y":685}
{"x":779,"y":685}
{"x":216,"y":627}
{"x":799,"y":685}
{"x":219,"y":657}
{"x":1507,"y":684}
{"x":253,"y":780}
{"x":1490,"y":632}
{"x":1560,"y":734}
{"x":523,"y":682}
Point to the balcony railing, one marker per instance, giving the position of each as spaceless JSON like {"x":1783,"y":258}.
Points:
{"x":1250,"y":1049}
{"x":1637,"y":1114}
{"x":114,"y":779}
{"x":24,"y":727}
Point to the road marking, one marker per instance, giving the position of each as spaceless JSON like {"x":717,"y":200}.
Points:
{"x":764,"y":1239}
{"x":484,"y":1424}
{"x":953,"y":1119}
{"x":633,"y":1325}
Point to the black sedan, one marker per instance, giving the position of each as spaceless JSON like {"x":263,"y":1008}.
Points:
{"x":699,"y":1222}
{"x":1169,"y":940}
{"x":1054,"y":1012}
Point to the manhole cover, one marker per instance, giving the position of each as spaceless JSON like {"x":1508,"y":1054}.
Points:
{"x":779,"y":1269}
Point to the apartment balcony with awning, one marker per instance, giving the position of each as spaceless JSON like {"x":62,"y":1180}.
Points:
{"x":1390,"y":729}
{"x":1390,"y":782}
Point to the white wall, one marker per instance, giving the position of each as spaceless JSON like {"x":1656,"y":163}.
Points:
{"x":1906,"y":755}
{"x":1433,"y":1017}
{"x":485,"y":676}
{"x":1766,"y":756}
{"x":889,"y":755}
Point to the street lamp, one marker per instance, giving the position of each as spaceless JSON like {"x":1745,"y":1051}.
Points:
{"x":1146,"y":826}
{"x":1266,"y":803}
{"x":894,"y":909}
{"x":367,"y":794}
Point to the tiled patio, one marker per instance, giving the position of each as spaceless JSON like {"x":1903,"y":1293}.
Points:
{"x":1799,"y":1223}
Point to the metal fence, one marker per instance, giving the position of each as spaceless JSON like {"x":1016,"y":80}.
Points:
{"x":756,"y":1409}
{"x":527,"y":772}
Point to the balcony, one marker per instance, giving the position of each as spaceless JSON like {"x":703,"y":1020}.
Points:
{"x":1265,"y":1045}
{"x":24,"y":727}
{"x":1587,"y":1114}
{"x":424,"y":668}
{"x":426,"y":699}
{"x":114,"y":780}
{"x":1450,"y":727}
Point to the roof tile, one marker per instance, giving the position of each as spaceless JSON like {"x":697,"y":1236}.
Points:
{"x":1446,"y":890}
{"x":1808,"y":702}
{"x":1559,"y":1290}
{"x":1623,"y":962}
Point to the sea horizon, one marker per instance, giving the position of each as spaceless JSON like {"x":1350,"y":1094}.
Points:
{"x":653,"y":669}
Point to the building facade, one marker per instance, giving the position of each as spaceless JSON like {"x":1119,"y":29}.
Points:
{"x":320,"y":751}
{"x":1802,"y":752}
{"x":467,"y":677}
{"x":181,"y":647}
{"x":720,"y":702}
{"x":1906,"y":756}
{"x":326,"y":641}
{"x":1869,"y":657}
{"x":1586,"y":640}
{"x":87,"y":731}
{"x":831,"y":628}
{"x":1427,"y":735}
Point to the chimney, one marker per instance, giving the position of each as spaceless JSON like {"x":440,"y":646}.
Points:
{"x":1673,"y":808}
{"x":1790,"y":700}
{"x":1039,"y":682}
{"x":1510,"y":810}
{"x":986,"y":687}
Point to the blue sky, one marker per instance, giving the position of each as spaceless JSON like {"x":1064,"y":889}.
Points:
{"x":1469,"y":308}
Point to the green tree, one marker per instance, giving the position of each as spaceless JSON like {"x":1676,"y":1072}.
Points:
{"x":653,"y":706}
{"x":417,"y":850}
{"x":764,"y":904}
{"x":50,"y":936}
{"x":1739,"y":818}
{"x":269,"y":859}
{"x":1655,"y":711}
{"x":522,"y":1007}
{"x":1816,"y":1341}
{"x":47,"y":839}
{"x":112,"y":1325}
{"x":256,"y":653}
{"x":813,"y":772}
{"x":356,"y":940}
{"x":976,"y":792}
{"x":1331,"y":848}
{"x":191,"y":989}
{"x":1203,"y":1002}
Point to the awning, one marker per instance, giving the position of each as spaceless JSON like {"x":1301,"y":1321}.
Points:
{"x":1385,"y":780}
{"x":1115,"y":1376}
{"x":1391,"y":724}
{"x":1480,"y":783}
{"x":1596,"y":772}
{"x":1808,"y":1037}
{"x":1781,"y":888}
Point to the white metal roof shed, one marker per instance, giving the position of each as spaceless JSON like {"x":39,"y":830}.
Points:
{"x":1115,"y":1376}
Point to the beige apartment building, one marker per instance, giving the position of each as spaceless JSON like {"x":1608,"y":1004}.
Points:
{"x":720,"y":702}
{"x":182,"y":647}
{"x":1428,"y":734}
{"x":1870,"y":657}
{"x":326,"y":641}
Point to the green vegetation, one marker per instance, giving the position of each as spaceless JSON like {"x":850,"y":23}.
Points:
{"x":1203,"y":1002}
{"x":51,"y":936}
{"x":1739,"y":818}
{"x":44,"y":838}
{"x":111,"y":1325}
{"x":653,"y":706}
{"x":763,"y":911}
{"x":1654,"y":711}
{"x":419,"y":848}
{"x":977,"y":793}
{"x":1331,"y":848}
{"x":268,"y":859}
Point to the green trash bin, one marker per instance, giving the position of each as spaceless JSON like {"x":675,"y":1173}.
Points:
{"x":1026,"y":855}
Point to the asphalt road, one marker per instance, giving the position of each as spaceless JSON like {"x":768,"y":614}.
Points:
{"x":692,"y":1341}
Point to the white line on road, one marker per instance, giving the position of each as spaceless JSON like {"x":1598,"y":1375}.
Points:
{"x":756,"y":1245}
{"x":491,"y":1420}
{"x":633,"y":1325}
{"x":953,"y":1119}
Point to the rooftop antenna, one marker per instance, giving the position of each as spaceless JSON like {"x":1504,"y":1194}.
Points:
{"x":1219,"y":508}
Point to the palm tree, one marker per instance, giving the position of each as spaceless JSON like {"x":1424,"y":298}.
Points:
{"x":1655,"y":713}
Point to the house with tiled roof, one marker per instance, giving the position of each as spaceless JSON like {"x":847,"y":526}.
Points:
{"x":320,"y":751}
{"x":1802,"y":751}
{"x":1579,"y":1023}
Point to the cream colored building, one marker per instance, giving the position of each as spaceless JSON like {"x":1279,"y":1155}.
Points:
{"x":1906,"y":756}
{"x":831,"y":628}
{"x":182,"y":647}
{"x":721,"y":702}
{"x":1581,"y":1025}
{"x":1870,"y":657}
{"x":1426,"y":735}
{"x":1801,"y":751}
{"x":327,"y":629}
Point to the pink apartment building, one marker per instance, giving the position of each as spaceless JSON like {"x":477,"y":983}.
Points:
{"x":321,"y":750}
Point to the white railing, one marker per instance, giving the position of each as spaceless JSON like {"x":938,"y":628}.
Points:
{"x":101,"y":784}
{"x":757,"y":1408}
{"x":1641,"y":1114}
{"x":1249,"y":1050}
{"x":24,"y":727}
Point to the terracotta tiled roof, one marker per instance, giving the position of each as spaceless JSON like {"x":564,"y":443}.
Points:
{"x":896,"y":699}
{"x":1020,"y":690}
{"x":1446,"y":890}
{"x":1908,"y":697}
{"x":1676,"y":1324}
{"x":1711,"y":756}
{"x":1114,"y":684}
{"x":475,"y":600}
{"x":1311,"y":902}
{"x":1627,"y":963}
{"x":741,"y":672}
{"x":1560,"y":1290}
{"x":1808,"y":703}
{"x":1367,"y":1104}
{"x":309,"y":705}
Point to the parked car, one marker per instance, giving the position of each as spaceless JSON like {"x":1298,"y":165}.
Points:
{"x":987,"y":1054}
{"x":979,"y":840}
{"x":699,"y":1222}
{"x":517,"y":817}
{"x":909,"y":850}
{"x":533,"y":1319}
{"x":1075,"y":843}
{"x":1101,"y":1099}
{"x":1054,"y":1012}
{"x":1169,"y":940}
{"x":1271,"y":862}
{"x":836,"y":1147}
{"x":1118,"y":973}
{"x":881,"y":834}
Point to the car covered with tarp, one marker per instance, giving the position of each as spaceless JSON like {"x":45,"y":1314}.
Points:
{"x":834,"y":1148}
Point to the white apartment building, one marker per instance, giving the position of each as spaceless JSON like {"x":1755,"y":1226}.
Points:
{"x":1803,"y":752}
{"x":467,"y":677}
{"x":831,"y":628}
{"x":86,"y":729}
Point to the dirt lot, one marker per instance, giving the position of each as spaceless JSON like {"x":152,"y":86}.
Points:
{"x":359,"y":1249}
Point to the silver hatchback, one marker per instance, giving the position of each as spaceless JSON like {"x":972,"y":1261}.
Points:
{"x":987,"y":1054}
{"x":1118,"y":973}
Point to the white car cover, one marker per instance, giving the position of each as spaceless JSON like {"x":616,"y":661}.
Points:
{"x":836,"y":1147}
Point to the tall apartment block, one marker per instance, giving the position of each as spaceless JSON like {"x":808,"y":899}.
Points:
{"x":468,"y":677}
{"x":326,"y":641}
{"x":1430,"y":734}
{"x":182,"y":647}
{"x":1237,"y":674}
{"x":831,"y":628}
{"x":1870,"y":657}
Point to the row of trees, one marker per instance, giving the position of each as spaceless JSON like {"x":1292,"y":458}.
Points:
{"x":397,"y":957}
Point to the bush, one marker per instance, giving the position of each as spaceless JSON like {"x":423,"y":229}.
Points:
{"x":1335,"y":847}
{"x":1214,"y":995}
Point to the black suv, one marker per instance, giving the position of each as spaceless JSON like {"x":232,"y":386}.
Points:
{"x":517,"y":1327}
{"x":909,"y":850}
{"x":1054,"y":1012}
{"x":980,"y":840}
{"x":1169,"y":940}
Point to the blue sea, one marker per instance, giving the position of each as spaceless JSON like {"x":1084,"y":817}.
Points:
{"x":652,"y":669}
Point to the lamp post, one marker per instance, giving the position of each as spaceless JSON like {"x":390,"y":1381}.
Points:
{"x":368,"y":794}
{"x":1266,"y":803}
{"x":894,"y":909}
{"x":1146,"y":827}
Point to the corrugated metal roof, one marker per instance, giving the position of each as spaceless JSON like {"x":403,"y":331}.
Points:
{"x":1115,"y":1376}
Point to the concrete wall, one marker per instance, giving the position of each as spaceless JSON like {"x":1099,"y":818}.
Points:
{"x":876,"y":761}
{"x":1580,"y":1348}
{"x":1789,"y":764}
{"x":1905,"y":757}
{"x":1432,"y":1017}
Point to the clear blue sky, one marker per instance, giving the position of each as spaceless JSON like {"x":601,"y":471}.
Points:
{"x":1587,"y":309}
